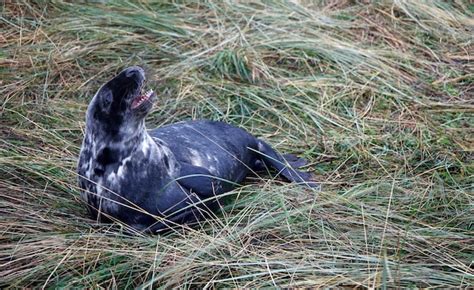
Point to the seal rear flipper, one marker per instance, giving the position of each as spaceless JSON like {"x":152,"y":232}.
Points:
{"x":293,"y":160}
{"x":285,"y":167}
{"x":200,"y":181}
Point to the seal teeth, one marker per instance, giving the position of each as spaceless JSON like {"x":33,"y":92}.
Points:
{"x":142,"y":98}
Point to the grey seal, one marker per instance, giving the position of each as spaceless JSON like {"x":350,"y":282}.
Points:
{"x":155,"y":179}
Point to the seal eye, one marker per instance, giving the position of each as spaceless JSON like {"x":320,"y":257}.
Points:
{"x":106,"y":98}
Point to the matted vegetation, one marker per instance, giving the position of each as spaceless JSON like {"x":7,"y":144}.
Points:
{"x":378,"y":96}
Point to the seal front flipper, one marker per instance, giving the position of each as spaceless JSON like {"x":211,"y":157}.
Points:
{"x":188,"y":216}
{"x":273,"y":159}
{"x":201,"y":181}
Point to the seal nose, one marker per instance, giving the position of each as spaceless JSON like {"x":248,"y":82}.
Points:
{"x":134,"y":71}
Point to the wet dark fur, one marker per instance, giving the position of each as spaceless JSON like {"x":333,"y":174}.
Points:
{"x":140,"y":177}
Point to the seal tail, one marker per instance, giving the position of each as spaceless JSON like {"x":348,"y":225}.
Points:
{"x":285,"y":164}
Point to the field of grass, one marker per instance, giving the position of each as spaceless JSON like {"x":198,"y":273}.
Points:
{"x":379,"y":96}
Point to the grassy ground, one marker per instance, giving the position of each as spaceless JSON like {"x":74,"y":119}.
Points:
{"x":378,"y":96}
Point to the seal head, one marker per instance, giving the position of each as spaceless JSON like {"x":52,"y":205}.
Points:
{"x":120,"y":105}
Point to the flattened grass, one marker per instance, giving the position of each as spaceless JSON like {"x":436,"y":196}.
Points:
{"x":378,"y":97}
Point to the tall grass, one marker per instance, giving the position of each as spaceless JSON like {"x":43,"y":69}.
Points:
{"x":378,"y":96}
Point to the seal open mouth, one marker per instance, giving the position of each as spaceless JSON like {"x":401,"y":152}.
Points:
{"x":142,"y":98}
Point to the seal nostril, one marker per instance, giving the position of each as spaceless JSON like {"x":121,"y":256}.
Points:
{"x":130,"y":73}
{"x":134,"y":71}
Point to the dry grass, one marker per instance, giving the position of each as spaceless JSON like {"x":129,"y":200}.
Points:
{"x":379,"y":97}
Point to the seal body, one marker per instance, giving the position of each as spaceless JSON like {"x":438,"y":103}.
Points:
{"x":152,"y":180}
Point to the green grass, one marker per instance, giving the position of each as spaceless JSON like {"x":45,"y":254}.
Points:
{"x":379,"y":98}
